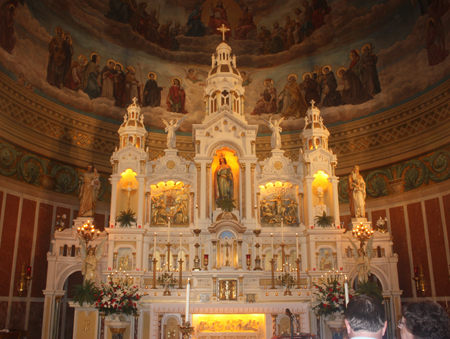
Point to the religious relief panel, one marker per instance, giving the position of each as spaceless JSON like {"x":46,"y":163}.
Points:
{"x":228,"y":289}
{"x":325,"y":258}
{"x":169,"y":200}
{"x":237,"y":325}
{"x":125,"y":259}
{"x":278,"y":202}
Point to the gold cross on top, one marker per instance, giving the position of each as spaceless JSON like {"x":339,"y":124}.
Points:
{"x":223,"y":29}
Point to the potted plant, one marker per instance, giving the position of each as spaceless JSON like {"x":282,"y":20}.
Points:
{"x":324,"y":220}
{"x":371,"y":289}
{"x":126,"y":218}
{"x":87,"y":292}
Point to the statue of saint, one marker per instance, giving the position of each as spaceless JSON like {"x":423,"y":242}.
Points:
{"x":224,"y":177}
{"x":91,"y":257}
{"x":275,"y":142}
{"x":88,"y":195}
{"x":357,"y":193}
{"x":171,"y":127}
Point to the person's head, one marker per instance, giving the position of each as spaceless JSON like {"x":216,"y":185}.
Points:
{"x":297,"y":11}
{"x":191,"y":71}
{"x":305,"y":3}
{"x":176,"y":82}
{"x":245,"y":9}
{"x":287,"y":18}
{"x":118,"y":68}
{"x":276,"y":25}
{"x":356,"y":169}
{"x":90,"y":167}
{"x":169,"y":22}
{"x":111,"y":65}
{"x":365,"y":317}
{"x":325,"y":70}
{"x":424,"y":320}
{"x":152,"y":76}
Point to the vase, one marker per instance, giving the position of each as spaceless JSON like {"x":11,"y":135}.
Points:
{"x":336,"y":324}
{"x":117,"y":324}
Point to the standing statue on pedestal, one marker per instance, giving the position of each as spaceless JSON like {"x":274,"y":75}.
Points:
{"x":275,"y":142}
{"x":357,"y":193}
{"x":171,"y":127}
{"x":88,"y":195}
{"x":224,"y":177}
{"x":91,"y":257}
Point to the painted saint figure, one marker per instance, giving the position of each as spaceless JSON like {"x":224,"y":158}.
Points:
{"x":217,"y":18}
{"x":369,"y":73}
{"x":268,"y":101}
{"x":7,"y":38}
{"x":91,"y":83}
{"x":108,"y":75}
{"x":176,"y":97}
{"x":245,"y":25}
{"x":55,"y":76}
{"x":225,"y":180}
{"x":357,"y":193}
{"x":152,"y":93}
{"x":292,"y":102}
{"x":75,"y":75}
{"x":195,"y":25}
{"x":88,"y":192}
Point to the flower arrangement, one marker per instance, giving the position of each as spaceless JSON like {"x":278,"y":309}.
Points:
{"x":60,"y":224}
{"x":117,"y":297}
{"x":331,"y":295}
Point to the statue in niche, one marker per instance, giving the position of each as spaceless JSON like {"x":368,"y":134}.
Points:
{"x":275,"y":142}
{"x":325,"y":262}
{"x":88,"y":194}
{"x":225,"y":180}
{"x":357,"y":193}
{"x":91,"y":257}
{"x":171,"y":127}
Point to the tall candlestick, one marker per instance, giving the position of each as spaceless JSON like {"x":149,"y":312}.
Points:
{"x":168,"y":232}
{"x":181,"y":234}
{"x":188,"y":290}
{"x":296,"y":242}
{"x":346,"y":291}
{"x":271,"y":238}
{"x":282,"y":231}
{"x":154,"y":246}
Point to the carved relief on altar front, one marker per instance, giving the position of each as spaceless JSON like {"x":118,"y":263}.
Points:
{"x":243,"y":326}
{"x":278,"y":202}
{"x":170,"y":200}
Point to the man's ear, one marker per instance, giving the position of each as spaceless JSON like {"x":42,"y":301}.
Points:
{"x":347,"y":325}
{"x":384,"y":328}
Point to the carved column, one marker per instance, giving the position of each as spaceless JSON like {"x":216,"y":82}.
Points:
{"x":300,"y":208}
{"x":214,"y":255}
{"x":239,"y":254}
{"x":274,"y":324}
{"x":214,"y":279}
{"x":241,"y":286}
{"x":201,"y":183}
{"x":141,"y":192}
{"x":244,"y":190}
{"x":208,"y":193}
{"x":252,"y":186}
{"x":193,"y":210}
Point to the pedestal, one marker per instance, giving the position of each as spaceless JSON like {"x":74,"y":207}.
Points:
{"x":117,"y":325}
{"x":335,"y":323}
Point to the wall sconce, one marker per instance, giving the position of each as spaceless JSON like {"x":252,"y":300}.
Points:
{"x":419,"y":278}
{"x":25,"y":278}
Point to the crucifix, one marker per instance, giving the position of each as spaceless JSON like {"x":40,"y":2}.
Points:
{"x":129,"y":190}
{"x":227,"y":253}
{"x":224,"y":30}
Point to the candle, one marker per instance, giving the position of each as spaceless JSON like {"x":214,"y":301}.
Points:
{"x":271,"y":237}
{"x":168,"y":232}
{"x":256,"y":216}
{"x":196,"y":217}
{"x":154,"y":246}
{"x":282,"y":231}
{"x":181,"y":234}
{"x":188,"y":290}
{"x":346,"y":290}
{"x":296,"y":242}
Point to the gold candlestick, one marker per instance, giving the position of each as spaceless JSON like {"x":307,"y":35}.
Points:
{"x":154,"y":273}
{"x":186,"y":330}
{"x":272,"y":262}
{"x":298,"y":261}
{"x":257,"y":259}
{"x":168,"y":256}
{"x":180,"y":265}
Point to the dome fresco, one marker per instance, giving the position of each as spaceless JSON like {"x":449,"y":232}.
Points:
{"x":352,"y":58}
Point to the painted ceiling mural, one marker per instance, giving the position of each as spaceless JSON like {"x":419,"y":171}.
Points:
{"x":353,"y":58}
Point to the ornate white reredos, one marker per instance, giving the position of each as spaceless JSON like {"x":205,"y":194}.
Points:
{"x":227,"y":129}
{"x":170,"y":167}
{"x":129,"y":157}
{"x":319,"y":160}
{"x":277,"y":168}
{"x":314,"y":134}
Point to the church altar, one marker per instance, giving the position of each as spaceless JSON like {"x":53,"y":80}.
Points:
{"x":245,"y":231}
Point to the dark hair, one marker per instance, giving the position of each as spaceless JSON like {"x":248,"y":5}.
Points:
{"x":426,"y":319}
{"x":365,"y":313}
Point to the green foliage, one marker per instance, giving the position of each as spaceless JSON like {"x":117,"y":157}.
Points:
{"x":371,"y":289}
{"x":125,"y":218}
{"x":226,"y":204}
{"x":324,"y":220}
{"x":85,"y":293}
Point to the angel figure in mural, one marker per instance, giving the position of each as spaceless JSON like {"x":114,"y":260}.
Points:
{"x":88,"y":194}
{"x":225,"y":180}
{"x":363,"y":257}
{"x":91,"y":256}
{"x":275,"y":142}
{"x":357,"y":193}
{"x":171,"y":127}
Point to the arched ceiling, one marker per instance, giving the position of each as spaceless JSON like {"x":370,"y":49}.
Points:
{"x":409,"y":55}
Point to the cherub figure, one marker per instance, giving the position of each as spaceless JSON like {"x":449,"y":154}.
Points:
{"x":363,"y":258}
{"x":91,"y":257}
{"x":171,"y":127}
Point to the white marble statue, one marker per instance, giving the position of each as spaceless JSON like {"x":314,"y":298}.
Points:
{"x":357,"y":193}
{"x":171,"y":127}
{"x":276,"y":132}
{"x":91,"y":257}
{"x":363,"y":257}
